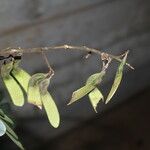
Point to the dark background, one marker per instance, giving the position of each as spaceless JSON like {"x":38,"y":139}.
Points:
{"x":110,"y":25}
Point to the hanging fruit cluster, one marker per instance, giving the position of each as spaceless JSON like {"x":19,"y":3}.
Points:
{"x":35,"y":86}
{"x":20,"y":83}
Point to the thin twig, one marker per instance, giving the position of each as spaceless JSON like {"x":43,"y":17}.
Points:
{"x":66,"y":47}
{"x":51,"y":71}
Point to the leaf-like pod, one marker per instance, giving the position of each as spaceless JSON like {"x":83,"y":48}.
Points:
{"x":117,"y":80}
{"x":20,"y":75}
{"x":96,"y":78}
{"x":2,"y":128}
{"x":91,"y":84}
{"x":78,"y":94}
{"x":51,"y":109}
{"x":33,"y":93}
{"x":49,"y":104}
{"x":95,"y":96}
{"x":12,"y":86}
{"x":38,"y":95}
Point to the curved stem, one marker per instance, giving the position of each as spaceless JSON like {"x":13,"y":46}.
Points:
{"x":50,"y":48}
{"x":51,"y":71}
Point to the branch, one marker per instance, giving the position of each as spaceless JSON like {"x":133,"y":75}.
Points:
{"x":11,"y":51}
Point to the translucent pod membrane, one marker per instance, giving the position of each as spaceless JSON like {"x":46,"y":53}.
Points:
{"x":34,"y":96}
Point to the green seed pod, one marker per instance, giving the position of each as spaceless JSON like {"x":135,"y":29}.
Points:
{"x":117,"y":80}
{"x":96,"y":78}
{"x":38,"y":95}
{"x":95,"y":96}
{"x":33,"y":93}
{"x":90,"y":85}
{"x":12,"y":86}
{"x":20,"y":75}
